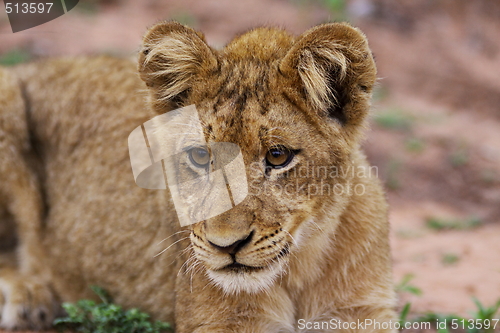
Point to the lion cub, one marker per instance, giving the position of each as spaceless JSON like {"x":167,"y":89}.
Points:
{"x":307,"y":249}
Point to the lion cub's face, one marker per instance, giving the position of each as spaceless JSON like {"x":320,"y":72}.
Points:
{"x":294,"y":106}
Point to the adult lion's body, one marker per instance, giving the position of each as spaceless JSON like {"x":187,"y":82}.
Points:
{"x":301,"y":255}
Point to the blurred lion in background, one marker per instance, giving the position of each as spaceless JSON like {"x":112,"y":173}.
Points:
{"x":280,"y":261}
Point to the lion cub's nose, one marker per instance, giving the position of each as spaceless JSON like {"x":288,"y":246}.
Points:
{"x":234,"y":247}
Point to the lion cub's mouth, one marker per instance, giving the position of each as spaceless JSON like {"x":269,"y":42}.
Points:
{"x":238,"y":276}
{"x":237,"y":267}
{"x":242,"y":268}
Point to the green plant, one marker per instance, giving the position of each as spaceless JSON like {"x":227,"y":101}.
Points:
{"x":88,"y":317}
{"x":453,"y":224}
{"x":405,"y":286}
{"x":14,"y":57}
{"x":380,"y":92}
{"x":449,"y":259}
{"x":338,"y":8}
{"x":403,"y":315}
{"x":392,"y":181}
{"x":394,"y":119}
{"x":89,"y":8}
{"x":186,"y":18}
{"x":489,"y":176}
{"x":485,"y":315}
{"x":482,"y":321}
{"x":415,"y":145}
{"x":459,"y":157}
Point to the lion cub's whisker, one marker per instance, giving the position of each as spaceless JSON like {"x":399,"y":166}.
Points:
{"x":156,"y":255}
{"x":178,"y":232}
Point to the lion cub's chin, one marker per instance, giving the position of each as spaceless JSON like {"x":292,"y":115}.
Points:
{"x":250,"y":281}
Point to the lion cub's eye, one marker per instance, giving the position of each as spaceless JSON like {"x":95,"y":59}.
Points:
{"x":279,"y":157}
{"x":200,"y":157}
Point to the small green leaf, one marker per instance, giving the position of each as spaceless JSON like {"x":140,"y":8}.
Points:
{"x":404,"y":313}
{"x":405,"y":286}
{"x":103,"y":294}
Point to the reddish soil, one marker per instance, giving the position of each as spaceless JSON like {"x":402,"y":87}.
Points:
{"x":439,"y":66}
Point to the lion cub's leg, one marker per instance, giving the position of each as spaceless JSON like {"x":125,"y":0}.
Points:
{"x":25,"y":302}
{"x":26,"y":298}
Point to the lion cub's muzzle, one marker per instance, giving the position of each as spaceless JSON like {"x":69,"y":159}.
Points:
{"x":245,"y":252}
{"x":242,"y":259}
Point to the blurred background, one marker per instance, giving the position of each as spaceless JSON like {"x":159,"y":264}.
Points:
{"x":435,"y":125}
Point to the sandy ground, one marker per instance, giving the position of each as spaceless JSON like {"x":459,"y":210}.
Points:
{"x":439,"y":69}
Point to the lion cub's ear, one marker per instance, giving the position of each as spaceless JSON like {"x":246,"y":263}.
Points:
{"x":336,"y":69}
{"x":171,"y":56}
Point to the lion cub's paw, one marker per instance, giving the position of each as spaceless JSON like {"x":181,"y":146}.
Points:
{"x":25,"y":304}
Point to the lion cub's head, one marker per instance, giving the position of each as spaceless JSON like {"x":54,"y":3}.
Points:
{"x":295,"y":106}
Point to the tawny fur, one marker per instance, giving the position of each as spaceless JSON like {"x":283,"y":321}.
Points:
{"x":81,"y":220}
